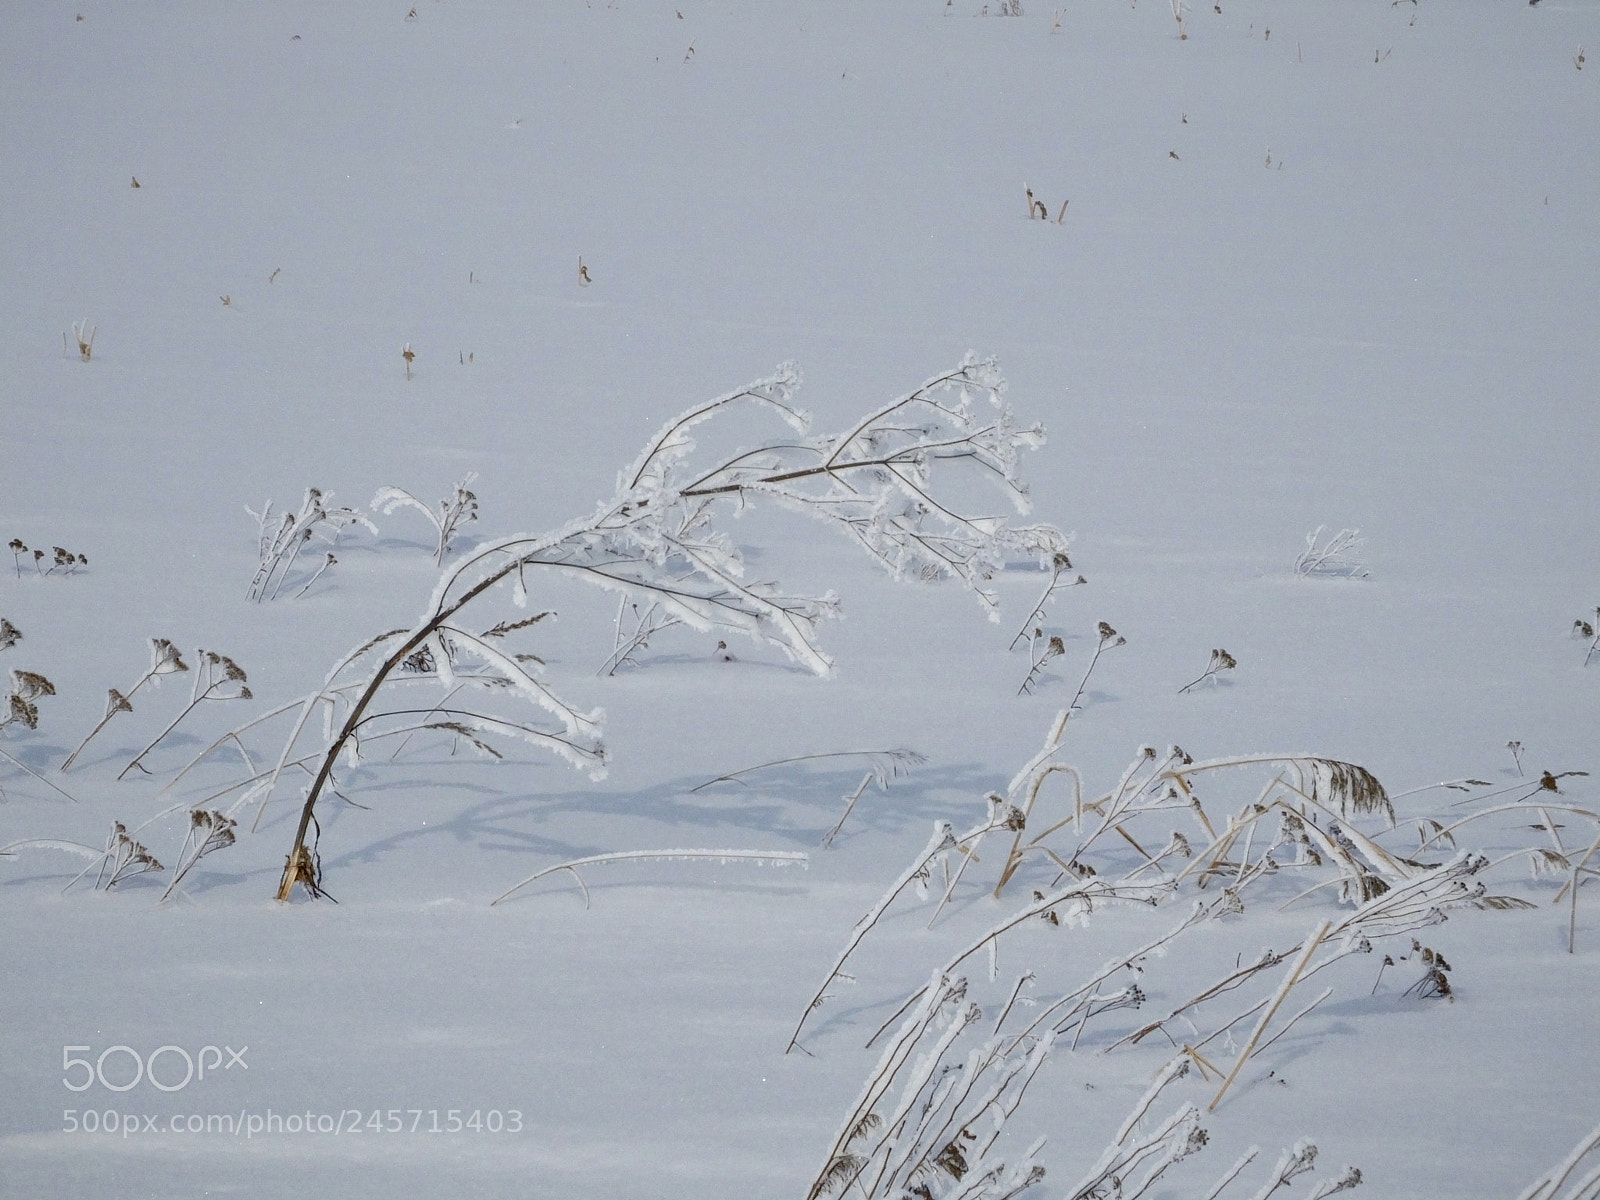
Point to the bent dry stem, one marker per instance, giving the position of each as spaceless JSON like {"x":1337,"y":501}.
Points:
{"x":654,"y":541}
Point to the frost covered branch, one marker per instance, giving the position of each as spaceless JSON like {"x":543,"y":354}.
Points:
{"x":1336,"y":556}
{"x":881,"y":482}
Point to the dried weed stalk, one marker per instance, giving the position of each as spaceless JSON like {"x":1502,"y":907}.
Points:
{"x":1221,"y":660}
{"x":84,"y":337}
{"x":164,"y":660}
{"x":1109,"y":639}
{"x":882,"y":767}
{"x":217,"y":678}
{"x":1053,"y":649}
{"x":927,"y":1120}
{"x":1548,"y":1186}
{"x":122,"y":858}
{"x":1031,"y":630}
{"x":1332,"y":819}
{"x":1137,"y":1157}
{"x":458,"y":509}
{"x":1038,"y":211}
{"x":1588,"y":631}
{"x":648,"y":621}
{"x":656,"y":542}
{"x":21,"y":707}
{"x":892,"y":763}
{"x":62,"y":560}
{"x":1336,"y":556}
{"x":280,"y":538}
{"x":209,"y":831}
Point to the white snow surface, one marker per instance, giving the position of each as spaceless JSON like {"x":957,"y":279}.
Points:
{"x":1342,"y":274}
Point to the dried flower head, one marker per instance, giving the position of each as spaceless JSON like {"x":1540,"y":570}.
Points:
{"x":164,"y":658}
{"x":21,"y":710}
{"x":1110,"y":637}
{"x":419,"y":661}
{"x":230,"y":669}
{"x":217,"y":828}
{"x":30,"y":686}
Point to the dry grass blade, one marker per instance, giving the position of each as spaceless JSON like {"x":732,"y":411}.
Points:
{"x":885,"y":764}
{"x":943,"y":839}
{"x":505,"y":627}
{"x":1135,"y":1160}
{"x":77,"y":848}
{"x":777,"y":857}
{"x":20,"y":765}
{"x":1344,"y":788}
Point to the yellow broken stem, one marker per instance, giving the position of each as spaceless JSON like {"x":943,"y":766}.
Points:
{"x":1278,"y":998}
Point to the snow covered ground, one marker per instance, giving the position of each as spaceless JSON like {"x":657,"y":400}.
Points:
{"x":1319,"y":265}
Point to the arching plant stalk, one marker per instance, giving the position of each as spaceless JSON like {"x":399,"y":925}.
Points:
{"x":654,"y":542}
